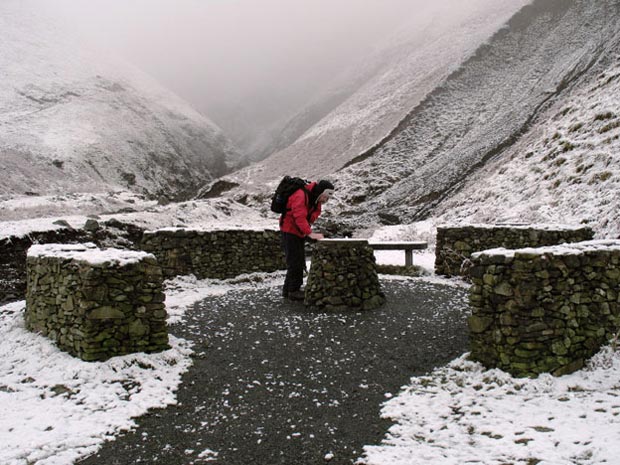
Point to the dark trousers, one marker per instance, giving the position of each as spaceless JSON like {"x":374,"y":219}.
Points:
{"x":295,"y":261}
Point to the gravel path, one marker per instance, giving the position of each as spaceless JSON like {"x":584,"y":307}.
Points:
{"x":274,"y":384}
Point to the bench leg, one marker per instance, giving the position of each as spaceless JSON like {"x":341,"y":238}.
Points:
{"x":408,"y":257}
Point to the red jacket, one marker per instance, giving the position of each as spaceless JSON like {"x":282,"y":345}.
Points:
{"x":299,"y":214}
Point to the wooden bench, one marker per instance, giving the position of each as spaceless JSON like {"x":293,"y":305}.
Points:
{"x":407,"y":246}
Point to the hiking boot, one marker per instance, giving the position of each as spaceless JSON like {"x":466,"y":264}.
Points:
{"x":285,"y":291}
{"x":296,"y":295}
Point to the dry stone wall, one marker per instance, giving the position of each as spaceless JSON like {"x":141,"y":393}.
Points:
{"x":343,"y":277}
{"x":545,"y":309}
{"x":96,"y":303}
{"x":214,"y":254}
{"x":13,"y":251}
{"x":14,"y":248}
{"x":455,"y":244}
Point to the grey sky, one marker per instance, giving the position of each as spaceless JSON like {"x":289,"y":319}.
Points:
{"x":230,"y":49}
{"x":249,"y":65}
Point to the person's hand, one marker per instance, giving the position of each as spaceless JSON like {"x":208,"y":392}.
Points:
{"x":316,"y":236}
{"x":323,"y":198}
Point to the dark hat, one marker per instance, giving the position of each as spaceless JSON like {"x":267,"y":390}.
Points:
{"x":321,"y":187}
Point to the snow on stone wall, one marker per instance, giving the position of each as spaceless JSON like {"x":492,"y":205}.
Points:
{"x":96,"y":303}
{"x":548,"y":309}
{"x":455,"y":244}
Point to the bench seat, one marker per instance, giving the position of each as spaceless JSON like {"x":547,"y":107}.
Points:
{"x":407,"y":246}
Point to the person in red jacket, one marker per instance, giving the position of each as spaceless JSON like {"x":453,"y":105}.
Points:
{"x":302,"y":210}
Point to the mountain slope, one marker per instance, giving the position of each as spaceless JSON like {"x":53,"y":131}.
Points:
{"x":565,"y":169}
{"x":365,"y":105}
{"x":72,"y":119}
{"x":481,"y":109}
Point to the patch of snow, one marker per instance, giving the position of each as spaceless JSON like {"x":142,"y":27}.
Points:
{"x":208,"y":455}
{"x":577,"y":248}
{"x":207,"y":215}
{"x":55,"y":408}
{"x":184,"y":291}
{"x":463,"y":413}
{"x":514,"y":225}
{"x":21,"y":207}
{"x":88,"y":253}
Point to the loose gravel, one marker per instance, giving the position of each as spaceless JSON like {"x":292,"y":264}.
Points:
{"x":273,"y":383}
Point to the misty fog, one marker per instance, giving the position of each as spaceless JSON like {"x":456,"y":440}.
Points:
{"x":248,"y":65}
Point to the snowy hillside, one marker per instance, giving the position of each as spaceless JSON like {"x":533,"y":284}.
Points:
{"x":526,"y":129}
{"x":550,"y":58}
{"x":566,"y":168}
{"x":74,"y":119}
{"x":364,"y":105}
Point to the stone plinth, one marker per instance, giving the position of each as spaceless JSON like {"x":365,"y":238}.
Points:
{"x":95,"y":303}
{"x":455,"y":244}
{"x":343,"y":277}
{"x":544,"y":309}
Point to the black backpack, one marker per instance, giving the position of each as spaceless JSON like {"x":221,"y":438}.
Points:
{"x":285,"y":189}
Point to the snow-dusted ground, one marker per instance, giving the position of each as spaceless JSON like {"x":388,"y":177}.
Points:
{"x":34,"y":214}
{"x":55,"y":408}
{"x":463,"y":413}
{"x":39,"y":207}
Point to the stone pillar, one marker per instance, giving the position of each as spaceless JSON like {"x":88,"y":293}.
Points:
{"x":343,"y":277}
{"x":546,"y":309}
{"x":95,"y":303}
